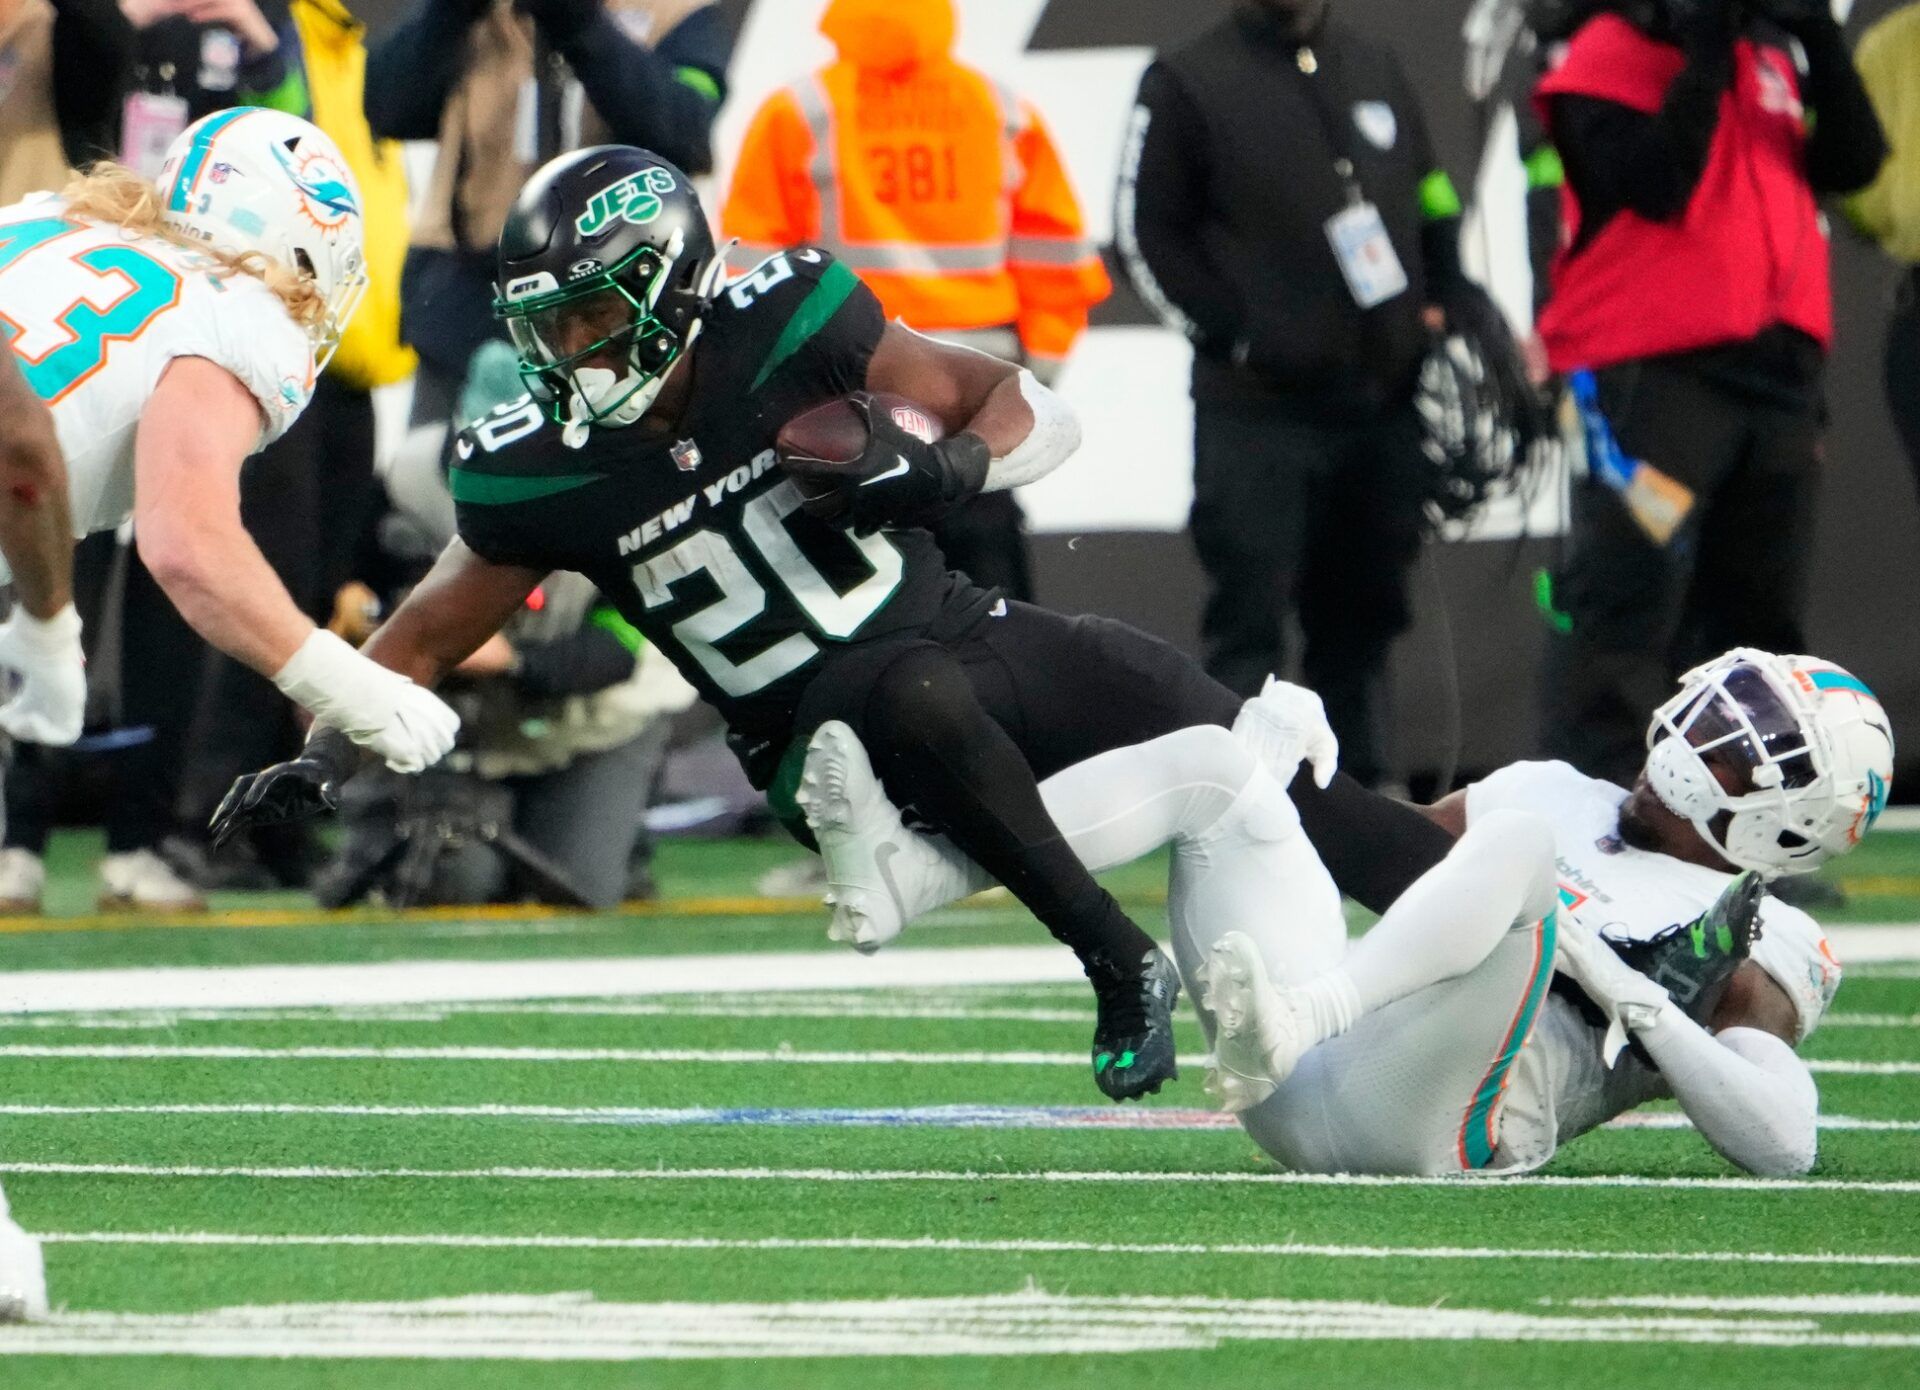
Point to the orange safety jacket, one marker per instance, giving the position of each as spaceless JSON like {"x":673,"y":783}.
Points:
{"x":936,"y":184}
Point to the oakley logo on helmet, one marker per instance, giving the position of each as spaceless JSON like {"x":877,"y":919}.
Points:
{"x":635,"y":199}
{"x":580,"y":270}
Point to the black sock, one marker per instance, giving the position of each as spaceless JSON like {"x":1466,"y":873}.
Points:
{"x":941,"y":754}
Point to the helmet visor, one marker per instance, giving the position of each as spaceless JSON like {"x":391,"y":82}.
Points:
{"x":594,"y":329}
{"x":1742,"y":727}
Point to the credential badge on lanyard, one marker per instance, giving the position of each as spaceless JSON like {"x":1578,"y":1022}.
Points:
{"x":1361,"y":245}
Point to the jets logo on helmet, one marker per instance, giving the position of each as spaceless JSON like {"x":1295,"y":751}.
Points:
{"x":634,"y":199}
{"x":1780,"y":762}
{"x":252,"y":179}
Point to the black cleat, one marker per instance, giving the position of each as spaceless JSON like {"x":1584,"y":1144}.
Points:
{"x":1133,"y":1052}
{"x":1693,"y":961}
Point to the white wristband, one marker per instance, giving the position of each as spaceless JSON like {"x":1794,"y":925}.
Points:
{"x":51,"y":636}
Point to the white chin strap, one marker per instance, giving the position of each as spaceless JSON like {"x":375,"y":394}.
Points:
{"x":594,"y":385}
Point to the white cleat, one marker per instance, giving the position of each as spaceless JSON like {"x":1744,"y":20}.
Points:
{"x":141,"y":881}
{"x":23,"y":878}
{"x":23,"y":1274}
{"x":1259,"y":1037}
{"x":863,"y":842}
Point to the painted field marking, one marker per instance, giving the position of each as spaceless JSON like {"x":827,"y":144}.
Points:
{"x":945,"y":1245}
{"x":315,"y":1173}
{"x":725,"y":1056}
{"x":429,"y":981}
{"x":425,"y":982}
{"x":577,"y":1327}
{"x":872,"y":1005}
{"x":1850,"y":1305}
{"x":476,"y":1053}
{"x":1096,"y":1118}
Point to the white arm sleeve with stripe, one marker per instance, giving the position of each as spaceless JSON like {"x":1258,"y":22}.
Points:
{"x":1747,"y":1092}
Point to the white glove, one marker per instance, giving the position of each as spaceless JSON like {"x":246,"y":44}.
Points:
{"x":379,"y":709}
{"x":1632,"y":1002}
{"x":1284,"y":725}
{"x":51,"y":702}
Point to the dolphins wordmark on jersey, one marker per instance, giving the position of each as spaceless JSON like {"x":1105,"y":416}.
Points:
{"x":692,"y":530}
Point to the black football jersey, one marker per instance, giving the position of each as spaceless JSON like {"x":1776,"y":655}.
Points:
{"x":697,"y":535}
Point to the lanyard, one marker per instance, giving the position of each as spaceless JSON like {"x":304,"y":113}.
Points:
{"x":1319,"y":75}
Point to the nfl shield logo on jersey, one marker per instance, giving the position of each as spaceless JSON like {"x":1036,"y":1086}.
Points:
{"x":686,"y":455}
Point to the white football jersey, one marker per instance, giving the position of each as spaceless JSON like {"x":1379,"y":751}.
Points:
{"x":97,"y":316}
{"x":1560,"y":1088}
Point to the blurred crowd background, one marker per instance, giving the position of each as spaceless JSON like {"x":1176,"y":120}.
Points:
{"x":1174,"y":213}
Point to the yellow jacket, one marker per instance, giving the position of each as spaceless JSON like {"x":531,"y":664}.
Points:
{"x":371,"y":353}
{"x":935,"y":183}
{"x":1888,"y":209}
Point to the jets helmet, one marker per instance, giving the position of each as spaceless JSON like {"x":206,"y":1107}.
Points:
{"x":252,"y":179}
{"x":606,"y":269}
{"x":1807,"y":748}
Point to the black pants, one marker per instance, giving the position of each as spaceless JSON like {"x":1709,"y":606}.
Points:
{"x":1734,"y":573}
{"x":985,"y":539}
{"x":1903,"y":368}
{"x":1319,"y":520}
{"x":125,"y":773}
{"x":1063,"y":689}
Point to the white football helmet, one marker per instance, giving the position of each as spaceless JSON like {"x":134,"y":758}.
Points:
{"x":1806,"y":744}
{"x":252,"y":179}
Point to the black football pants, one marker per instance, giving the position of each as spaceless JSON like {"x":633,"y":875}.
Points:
{"x":1318,"y":520}
{"x":1637,"y":613}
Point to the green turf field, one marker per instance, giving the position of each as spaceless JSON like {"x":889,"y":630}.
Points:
{"x":747,"y":1184}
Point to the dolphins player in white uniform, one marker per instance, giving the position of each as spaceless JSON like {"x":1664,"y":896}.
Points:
{"x":173,"y":331}
{"x":1438,"y":1042}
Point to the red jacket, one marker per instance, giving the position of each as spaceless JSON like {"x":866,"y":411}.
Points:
{"x":1748,"y":253}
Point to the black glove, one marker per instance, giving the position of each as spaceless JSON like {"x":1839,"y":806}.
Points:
{"x":900,"y":479}
{"x":308,"y":785}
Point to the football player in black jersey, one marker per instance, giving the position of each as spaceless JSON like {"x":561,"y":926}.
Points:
{"x":643,"y":458}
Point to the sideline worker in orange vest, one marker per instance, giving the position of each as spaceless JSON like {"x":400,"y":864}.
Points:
{"x":942,"y":189}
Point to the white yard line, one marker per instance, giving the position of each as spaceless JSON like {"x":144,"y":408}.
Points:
{"x":721,"y":1055}
{"x":887,"y":1006}
{"x":939,"y":1245}
{"x":1852,"y":1305}
{"x":418,"y":982}
{"x":427,"y":982}
{"x":577,"y":1327}
{"x":717,"y":1055}
{"x":1105,"y":1119}
{"x":312,"y":1173}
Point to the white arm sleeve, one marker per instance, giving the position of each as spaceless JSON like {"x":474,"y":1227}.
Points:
{"x":1054,"y":436}
{"x":1747,"y":1092}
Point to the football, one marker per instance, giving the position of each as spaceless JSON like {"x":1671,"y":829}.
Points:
{"x":835,"y":434}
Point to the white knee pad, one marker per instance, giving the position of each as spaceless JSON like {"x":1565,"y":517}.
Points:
{"x":1514,"y":848}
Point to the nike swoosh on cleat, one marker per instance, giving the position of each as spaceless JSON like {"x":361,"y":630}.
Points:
{"x":883,"y":860}
{"x":900,"y":466}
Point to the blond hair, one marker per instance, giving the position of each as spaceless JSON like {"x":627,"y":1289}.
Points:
{"x":113,"y":194}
